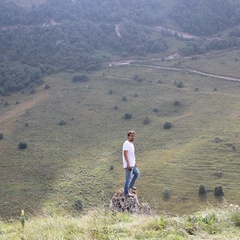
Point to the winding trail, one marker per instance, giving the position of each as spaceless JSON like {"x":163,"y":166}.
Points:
{"x":186,"y":70}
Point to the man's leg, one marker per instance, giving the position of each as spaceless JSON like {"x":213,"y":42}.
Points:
{"x":136,"y":174}
{"x":127,"y":181}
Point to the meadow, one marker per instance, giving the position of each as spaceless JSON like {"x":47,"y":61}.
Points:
{"x":81,"y":160}
{"x":103,"y":224}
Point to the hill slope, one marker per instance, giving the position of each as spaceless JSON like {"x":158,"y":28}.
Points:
{"x":68,"y":163}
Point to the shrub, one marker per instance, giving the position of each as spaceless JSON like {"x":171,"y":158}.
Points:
{"x":80,"y":78}
{"x":180,"y":84}
{"x":218,"y":191}
{"x":155,"y":110}
{"x":78,"y":206}
{"x":26,"y":124}
{"x":17,"y":102}
{"x":146,"y":120}
{"x":22,"y":145}
{"x":167,"y":125}
{"x":166,"y":194}
{"x":62,"y":122}
{"x":124,"y":98}
{"x":111,"y":167}
{"x":115,"y":107}
{"x":46,"y":86}
{"x":110,"y":91}
{"x":136,"y":95}
{"x":202,"y":190}
{"x":177,"y":103}
{"x":127,"y":116}
{"x":196,"y":89}
{"x":1,"y":136}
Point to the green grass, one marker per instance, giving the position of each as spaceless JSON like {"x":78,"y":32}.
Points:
{"x":213,"y":223}
{"x":64,"y":164}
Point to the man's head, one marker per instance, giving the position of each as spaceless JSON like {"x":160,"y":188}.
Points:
{"x":131,"y":135}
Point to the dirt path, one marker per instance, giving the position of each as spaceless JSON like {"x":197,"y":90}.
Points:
{"x":186,"y":70}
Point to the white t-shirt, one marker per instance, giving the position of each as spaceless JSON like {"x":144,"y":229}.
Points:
{"x":131,"y":154}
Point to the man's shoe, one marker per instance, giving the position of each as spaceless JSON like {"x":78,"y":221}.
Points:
{"x":128,"y":195}
{"x":134,"y":188}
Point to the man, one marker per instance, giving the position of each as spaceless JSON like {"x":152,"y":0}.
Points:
{"x":129,"y":163}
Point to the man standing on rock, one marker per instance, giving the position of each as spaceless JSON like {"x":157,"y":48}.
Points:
{"x":129,"y":164}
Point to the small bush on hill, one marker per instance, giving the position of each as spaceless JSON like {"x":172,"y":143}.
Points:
{"x":180,"y":84}
{"x":78,"y":206}
{"x":202,"y":190}
{"x":1,"y":136}
{"x":80,"y":78}
{"x":124,"y":98}
{"x":62,"y":122}
{"x":127,"y":116}
{"x":166,"y":194}
{"x":218,"y":191}
{"x":22,"y":145}
{"x":111,"y":167}
{"x":146,"y":120}
{"x":177,"y":103}
{"x":167,"y":125}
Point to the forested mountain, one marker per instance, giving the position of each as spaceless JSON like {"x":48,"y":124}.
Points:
{"x":80,"y":34}
{"x":206,"y":17}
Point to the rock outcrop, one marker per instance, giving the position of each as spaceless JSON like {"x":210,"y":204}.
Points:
{"x":130,"y":203}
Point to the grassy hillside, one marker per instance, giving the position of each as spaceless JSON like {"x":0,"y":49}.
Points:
{"x":73,"y":162}
{"x":218,"y":224}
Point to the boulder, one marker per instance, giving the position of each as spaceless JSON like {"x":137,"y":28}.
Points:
{"x":130,"y":203}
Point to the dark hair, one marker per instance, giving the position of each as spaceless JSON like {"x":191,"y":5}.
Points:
{"x":130,"y":132}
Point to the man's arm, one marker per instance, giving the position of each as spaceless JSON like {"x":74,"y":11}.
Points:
{"x":125,"y":153}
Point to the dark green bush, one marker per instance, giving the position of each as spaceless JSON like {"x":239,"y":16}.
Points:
{"x":180,"y":84}
{"x":167,"y":125}
{"x":177,"y":103}
{"x":146,"y":120}
{"x":78,"y":206}
{"x":62,"y":122}
{"x":80,"y":78}
{"x":202,"y":190}
{"x":111,"y":167}
{"x":218,"y":191}
{"x":22,"y":145}
{"x":124,"y":98}
{"x":1,"y":136}
{"x":166,"y":194}
{"x":127,"y":116}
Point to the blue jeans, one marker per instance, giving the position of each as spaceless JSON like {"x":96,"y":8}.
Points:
{"x":131,"y":177}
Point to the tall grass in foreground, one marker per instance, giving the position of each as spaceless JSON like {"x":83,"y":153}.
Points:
{"x":221,"y":223}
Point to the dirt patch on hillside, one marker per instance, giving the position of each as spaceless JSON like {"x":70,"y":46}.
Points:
{"x":12,"y":114}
